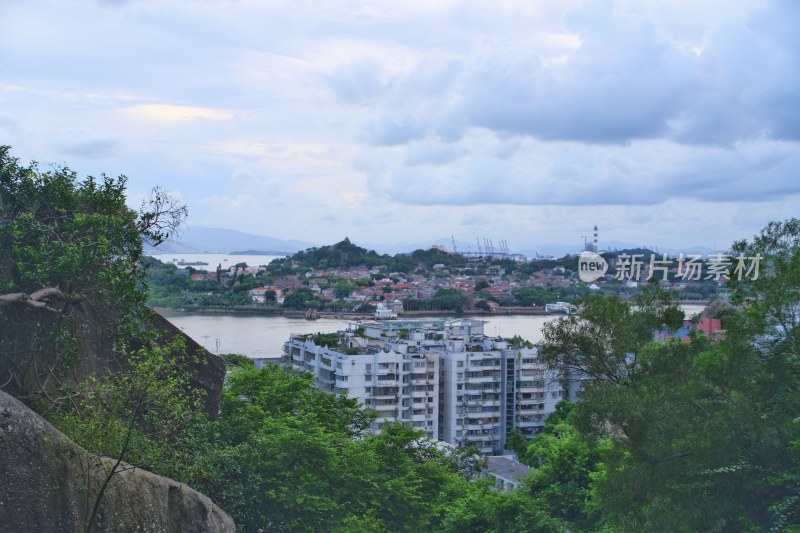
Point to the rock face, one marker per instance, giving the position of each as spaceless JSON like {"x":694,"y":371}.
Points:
{"x":50,"y":484}
{"x":25,"y":358}
{"x":207,"y":373}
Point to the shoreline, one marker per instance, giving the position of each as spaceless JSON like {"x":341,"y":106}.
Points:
{"x":278,"y":312}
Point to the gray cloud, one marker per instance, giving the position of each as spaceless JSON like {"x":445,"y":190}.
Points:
{"x":622,"y":83}
{"x":625,"y":81}
{"x":643,"y":173}
{"x":358,"y":82}
{"x":88,"y":145}
{"x":395,"y":130}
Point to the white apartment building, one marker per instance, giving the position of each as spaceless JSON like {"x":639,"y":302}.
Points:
{"x":444,"y":378}
{"x":489,"y":387}
{"x":389,"y":370}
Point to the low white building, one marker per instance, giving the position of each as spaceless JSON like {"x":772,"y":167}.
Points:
{"x":508,"y":473}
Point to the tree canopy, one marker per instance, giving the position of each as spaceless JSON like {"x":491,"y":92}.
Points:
{"x":74,"y":246}
{"x":699,"y":435}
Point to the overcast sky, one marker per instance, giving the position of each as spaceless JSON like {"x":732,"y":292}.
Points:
{"x":665,"y":122}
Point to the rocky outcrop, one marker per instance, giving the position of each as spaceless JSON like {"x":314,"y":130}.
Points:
{"x":50,"y":484}
{"x":206,"y":370}
{"x":45,"y":353}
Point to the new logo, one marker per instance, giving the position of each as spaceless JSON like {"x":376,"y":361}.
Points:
{"x":591,"y":266}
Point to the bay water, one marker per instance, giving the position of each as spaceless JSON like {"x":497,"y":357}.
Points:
{"x":263,"y":336}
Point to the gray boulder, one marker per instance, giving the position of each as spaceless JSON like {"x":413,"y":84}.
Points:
{"x":50,"y":484}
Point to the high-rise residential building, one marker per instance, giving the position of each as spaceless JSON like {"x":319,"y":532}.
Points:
{"x":447,"y":379}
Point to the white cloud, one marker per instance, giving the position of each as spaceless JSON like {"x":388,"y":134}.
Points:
{"x":174,"y":113}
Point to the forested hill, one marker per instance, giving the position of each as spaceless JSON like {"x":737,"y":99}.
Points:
{"x":345,"y":254}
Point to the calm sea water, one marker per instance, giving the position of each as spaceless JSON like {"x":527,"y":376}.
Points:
{"x":261,"y":336}
{"x":226,"y":260}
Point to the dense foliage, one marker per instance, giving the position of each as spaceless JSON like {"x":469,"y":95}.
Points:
{"x":167,"y":287}
{"x":345,"y":254}
{"x":77,"y":243}
{"x":284,"y":456}
{"x":700,"y":435}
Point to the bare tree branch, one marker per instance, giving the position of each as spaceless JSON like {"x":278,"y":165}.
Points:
{"x":160,"y":216}
{"x":41,"y":299}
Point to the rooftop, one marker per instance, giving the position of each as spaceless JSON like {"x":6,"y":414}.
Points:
{"x":506,"y":468}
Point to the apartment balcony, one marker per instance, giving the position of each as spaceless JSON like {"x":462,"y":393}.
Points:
{"x":483,"y":415}
{"x":385,"y":392}
{"x":475,"y":418}
{"x":479,"y":368}
{"x":489,"y":386}
{"x":529,"y":388}
{"x":527,"y":424}
{"x":482,"y":379}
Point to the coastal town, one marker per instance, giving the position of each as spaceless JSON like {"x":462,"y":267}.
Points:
{"x":344,"y":278}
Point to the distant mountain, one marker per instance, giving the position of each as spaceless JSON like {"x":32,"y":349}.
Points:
{"x":198,"y":239}
{"x":201,"y":239}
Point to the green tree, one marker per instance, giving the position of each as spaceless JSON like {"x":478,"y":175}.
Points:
{"x":565,"y":464}
{"x":481,"y":284}
{"x":700,"y":435}
{"x":482,"y":305}
{"x":300,"y":299}
{"x":146,"y":415}
{"x":343,"y":288}
{"x":516,"y":442}
{"x":70,"y":274}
